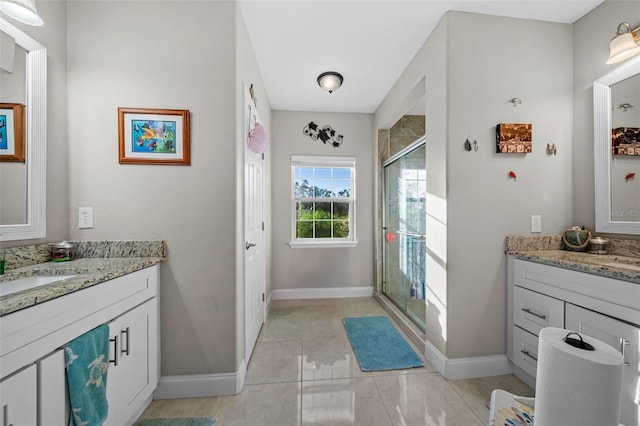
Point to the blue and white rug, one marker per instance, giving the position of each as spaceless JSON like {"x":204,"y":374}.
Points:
{"x":378,"y":345}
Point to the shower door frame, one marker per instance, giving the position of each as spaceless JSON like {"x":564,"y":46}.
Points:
{"x":417,"y":144}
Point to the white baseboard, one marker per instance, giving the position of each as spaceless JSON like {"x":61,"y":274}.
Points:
{"x":321,"y":293}
{"x":467,"y":368}
{"x":201,"y":385}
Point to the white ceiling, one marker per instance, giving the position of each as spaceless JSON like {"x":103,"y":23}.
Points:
{"x":369,"y":42}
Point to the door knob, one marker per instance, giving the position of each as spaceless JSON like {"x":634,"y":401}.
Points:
{"x":248,"y":245}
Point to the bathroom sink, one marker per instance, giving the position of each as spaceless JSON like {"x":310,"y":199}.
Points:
{"x":14,"y":286}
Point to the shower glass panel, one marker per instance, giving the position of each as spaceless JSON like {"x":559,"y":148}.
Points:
{"x":404,"y":195}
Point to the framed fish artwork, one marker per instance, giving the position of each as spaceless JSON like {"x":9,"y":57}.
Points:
{"x":12,"y":132}
{"x":153,"y":136}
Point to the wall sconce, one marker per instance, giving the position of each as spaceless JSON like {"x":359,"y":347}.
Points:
{"x":22,"y":10}
{"x":624,"y":45}
{"x":330,"y":81}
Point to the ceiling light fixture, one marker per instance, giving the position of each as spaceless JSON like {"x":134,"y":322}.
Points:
{"x":330,"y":81}
{"x":624,"y":45}
{"x":22,"y":10}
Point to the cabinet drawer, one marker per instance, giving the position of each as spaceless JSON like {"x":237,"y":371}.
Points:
{"x":534,"y":311}
{"x":525,"y":350}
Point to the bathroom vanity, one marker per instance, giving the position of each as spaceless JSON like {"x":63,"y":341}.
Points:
{"x":36,"y":323}
{"x":598,"y":296}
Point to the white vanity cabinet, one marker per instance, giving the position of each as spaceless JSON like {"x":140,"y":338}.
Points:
{"x":19,"y":398}
{"x":604,"y":308}
{"x":131,"y":380}
{"x":34,"y":338}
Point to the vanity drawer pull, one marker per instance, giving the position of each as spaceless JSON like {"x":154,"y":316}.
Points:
{"x":122,"y":349}
{"x":527,"y":310}
{"x":114,"y":361}
{"x":526,"y":353}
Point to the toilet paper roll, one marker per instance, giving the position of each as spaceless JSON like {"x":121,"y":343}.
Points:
{"x":576,"y":387}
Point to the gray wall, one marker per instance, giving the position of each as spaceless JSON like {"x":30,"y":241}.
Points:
{"x":194,"y":208}
{"x":591,"y":36}
{"x":427,"y":73}
{"x":247,"y":72}
{"x":511,"y":58}
{"x":488,"y":61}
{"x":322,"y":267}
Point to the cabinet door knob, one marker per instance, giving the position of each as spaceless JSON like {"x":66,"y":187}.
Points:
{"x":527,"y":310}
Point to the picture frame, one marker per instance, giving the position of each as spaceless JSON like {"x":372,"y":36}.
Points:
{"x":153,"y":136}
{"x":12,"y":132}
{"x":514,"y":138}
{"x":625,"y":141}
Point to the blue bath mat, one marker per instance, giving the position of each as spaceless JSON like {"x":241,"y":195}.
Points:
{"x":378,"y":345}
{"x":183,"y":421}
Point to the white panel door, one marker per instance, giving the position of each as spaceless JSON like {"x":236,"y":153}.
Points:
{"x":254,"y":254}
{"x":53,"y":408}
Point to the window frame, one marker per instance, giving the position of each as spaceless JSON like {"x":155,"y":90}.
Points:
{"x":298,"y":161}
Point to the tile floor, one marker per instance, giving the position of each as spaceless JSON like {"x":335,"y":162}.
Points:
{"x":303,"y":372}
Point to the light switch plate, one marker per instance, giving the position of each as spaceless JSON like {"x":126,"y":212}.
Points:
{"x":536,"y":224}
{"x":85,"y":217}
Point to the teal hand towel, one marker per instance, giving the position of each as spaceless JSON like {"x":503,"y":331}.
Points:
{"x":87,"y":359}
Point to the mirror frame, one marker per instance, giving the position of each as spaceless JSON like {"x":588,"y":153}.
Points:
{"x":36,"y":139}
{"x":602,"y":148}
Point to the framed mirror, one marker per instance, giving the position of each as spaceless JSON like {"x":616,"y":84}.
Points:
{"x":616,"y":186}
{"x":33,"y":223}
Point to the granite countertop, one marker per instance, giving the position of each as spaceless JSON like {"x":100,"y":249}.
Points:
{"x":621,"y":263}
{"x":87,"y":271}
{"x":607,"y":265}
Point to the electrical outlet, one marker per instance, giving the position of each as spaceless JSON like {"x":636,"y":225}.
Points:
{"x":536,"y":224}
{"x":85,"y":217}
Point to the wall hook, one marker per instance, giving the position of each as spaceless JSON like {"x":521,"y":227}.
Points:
{"x":516,"y":102}
{"x":629,"y":177}
{"x":551,"y":148}
{"x":468,"y":145}
{"x":513,"y":175}
{"x":625,"y":106}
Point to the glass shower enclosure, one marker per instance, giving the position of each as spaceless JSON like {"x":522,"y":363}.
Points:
{"x":404,"y":217}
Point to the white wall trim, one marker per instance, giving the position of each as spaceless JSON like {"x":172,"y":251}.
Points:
{"x":197,"y":385}
{"x":241,"y":375}
{"x":467,"y":368}
{"x":201,"y":385}
{"x":321,"y":293}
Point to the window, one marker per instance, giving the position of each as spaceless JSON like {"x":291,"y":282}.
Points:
{"x":323,"y":201}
